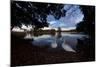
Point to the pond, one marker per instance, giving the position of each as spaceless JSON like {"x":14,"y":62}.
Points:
{"x":60,"y":41}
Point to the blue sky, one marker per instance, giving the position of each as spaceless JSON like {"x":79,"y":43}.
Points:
{"x":73,"y":16}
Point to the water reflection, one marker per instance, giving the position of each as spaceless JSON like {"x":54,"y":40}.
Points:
{"x":67,"y":47}
{"x":59,"y":41}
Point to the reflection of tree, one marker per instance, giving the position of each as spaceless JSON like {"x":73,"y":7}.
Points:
{"x":59,"y":33}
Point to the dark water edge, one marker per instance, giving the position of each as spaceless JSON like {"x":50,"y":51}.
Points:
{"x":23,"y":53}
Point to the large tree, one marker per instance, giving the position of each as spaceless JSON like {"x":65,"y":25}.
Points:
{"x":34,"y":13}
{"x":88,"y":23}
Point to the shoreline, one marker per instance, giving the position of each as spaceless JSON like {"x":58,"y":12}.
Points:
{"x":24,"y":53}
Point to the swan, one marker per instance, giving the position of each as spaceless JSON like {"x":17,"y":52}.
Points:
{"x":66,"y":47}
{"x":54,"y":44}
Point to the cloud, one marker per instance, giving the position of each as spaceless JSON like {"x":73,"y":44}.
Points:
{"x":73,"y":16}
{"x":52,"y":22}
{"x":50,"y":18}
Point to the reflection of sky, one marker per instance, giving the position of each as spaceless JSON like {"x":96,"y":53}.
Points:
{"x":73,"y":16}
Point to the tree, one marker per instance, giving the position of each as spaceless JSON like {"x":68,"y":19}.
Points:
{"x":88,"y":23}
{"x":34,"y":13}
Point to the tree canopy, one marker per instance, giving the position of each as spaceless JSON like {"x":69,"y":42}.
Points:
{"x":88,"y":23}
{"x":34,"y":13}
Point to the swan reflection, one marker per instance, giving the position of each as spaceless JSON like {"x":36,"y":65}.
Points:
{"x":58,"y":42}
{"x":66,"y":47}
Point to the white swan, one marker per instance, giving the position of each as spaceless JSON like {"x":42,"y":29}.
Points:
{"x":66,"y":47}
{"x":54,"y":44}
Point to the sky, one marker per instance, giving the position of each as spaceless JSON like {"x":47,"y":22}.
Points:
{"x":72,"y":17}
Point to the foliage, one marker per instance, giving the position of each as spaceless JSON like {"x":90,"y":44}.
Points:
{"x":88,"y":23}
{"x":34,"y":13}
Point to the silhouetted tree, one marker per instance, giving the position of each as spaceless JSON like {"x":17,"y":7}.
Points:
{"x":88,"y":23}
{"x":34,"y":13}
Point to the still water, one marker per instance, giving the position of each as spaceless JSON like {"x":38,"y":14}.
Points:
{"x":60,"y":41}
